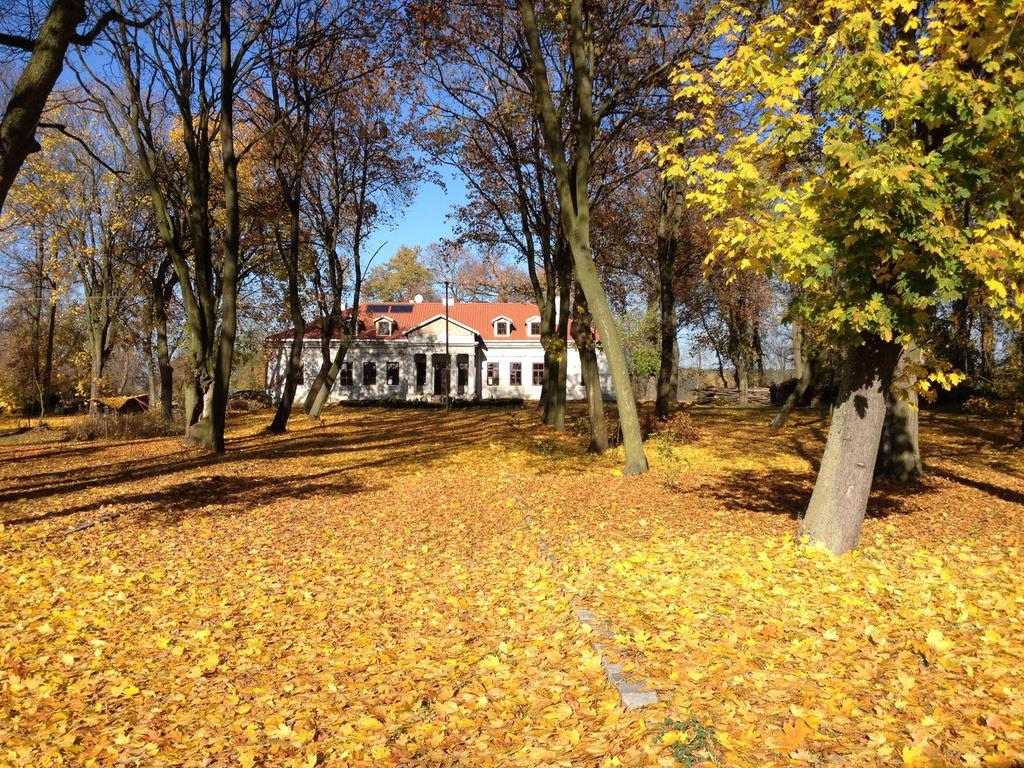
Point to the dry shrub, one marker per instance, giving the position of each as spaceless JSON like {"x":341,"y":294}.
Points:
{"x":981,"y":405}
{"x":121,"y":426}
{"x":678,"y":427}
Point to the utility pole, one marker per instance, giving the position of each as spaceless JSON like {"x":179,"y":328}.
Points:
{"x":447,"y":356}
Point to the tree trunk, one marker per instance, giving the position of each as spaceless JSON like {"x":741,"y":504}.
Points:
{"x":742,"y":379}
{"x":758,"y":353}
{"x":988,"y":345}
{"x":150,"y":373}
{"x":899,"y":451}
{"x":548,"y":322}
{"x":291,"y":376}
{"x":797,"y":395}
{"x":558,"y":344}
{"x":290,"y":255}
{"x":962,"y":334}
{"x":572,"y":179}
{"x":611,"y":342}
{"x":122,"y":386}
{"x":836,"y":510}
{"x":326,"y":332}
{"x":32,"y":89}
{"x":231,"y":237}
{"x":668,"y":226}
{"x":163,"y":359}
{"x":97,"y":364}
{"x":47,"y":378}
{"x":583,"y":338}
{"x":320,"y":400}
{"x":799,"y":358}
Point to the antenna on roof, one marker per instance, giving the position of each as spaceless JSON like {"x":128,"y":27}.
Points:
{"x":418,"y":298}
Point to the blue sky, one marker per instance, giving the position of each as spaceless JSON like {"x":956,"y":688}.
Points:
{"x":425,"y":221}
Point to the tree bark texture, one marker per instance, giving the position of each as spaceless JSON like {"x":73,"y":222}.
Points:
{"x":669,"y":219}
{"x":899,"y":450}
{"x":586,"y":343}
{"x":32,"y":89}
{"x":838,"y":504}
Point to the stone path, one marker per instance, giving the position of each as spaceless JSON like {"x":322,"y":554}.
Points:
{"x":634,"y":693}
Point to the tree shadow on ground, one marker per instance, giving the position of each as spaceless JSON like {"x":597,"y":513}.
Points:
{"x":209,"y":495}
{"x":1002,"y":493}
{"x":787,"y":492}
{"x":373,"y":441}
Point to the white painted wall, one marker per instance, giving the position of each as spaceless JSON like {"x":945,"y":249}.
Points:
{"x":504,"y":353}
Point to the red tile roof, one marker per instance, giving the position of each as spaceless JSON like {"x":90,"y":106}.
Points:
{"x":476,"y":315}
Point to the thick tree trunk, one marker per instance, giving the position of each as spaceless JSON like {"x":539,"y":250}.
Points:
{"x":572,"y":179}
{"x":583,"y":338}
{"x":32,"y":89}
{"x":836,"y":510}
{"x":742,"y":380}
{"x":231,"y":239}
{"x":320,"y":400}
{"x":291,"y":376}
{"x":326,"y":332}
{"x":899,"y":451}
{"x":611,"y":342}
{"x":557,"y":350}
{"x":163,"y":361}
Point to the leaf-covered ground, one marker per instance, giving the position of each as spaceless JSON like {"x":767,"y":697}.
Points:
{"x":373,"y":592}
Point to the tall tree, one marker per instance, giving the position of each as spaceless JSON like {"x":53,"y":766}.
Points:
{"x":400,"y":278}
{"x":598,"y":92}
{"x":193,"y":59}
{"x":364,"y":171}
{"x":864,"y":129}
{"x":309,"y":59}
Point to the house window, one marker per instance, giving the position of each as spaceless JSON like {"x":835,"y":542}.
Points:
{"x":533,"y":327}
{"x":492,"y":375}
{"x":345,"y":376}
{"x":369,"y":372}
{"x":501,"y":328}
{"x":392,"y":372}
{"x":538,"y":374}
{"x":515,"y":374}
{"x":384,"y":328}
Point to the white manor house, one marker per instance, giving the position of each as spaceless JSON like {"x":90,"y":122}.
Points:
{"x":399,"y":354}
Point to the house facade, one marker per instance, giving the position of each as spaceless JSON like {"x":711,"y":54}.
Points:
{"x":399,"y":354}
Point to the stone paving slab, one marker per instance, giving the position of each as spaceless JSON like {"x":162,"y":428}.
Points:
{"x":633,"y":693}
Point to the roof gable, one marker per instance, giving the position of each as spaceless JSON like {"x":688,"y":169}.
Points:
{"x":427,"y":327}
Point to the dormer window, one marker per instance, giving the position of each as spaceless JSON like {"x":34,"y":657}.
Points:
{"x":502,"y":326}
{"x":385,"y":326}
{"x":533,"y":326}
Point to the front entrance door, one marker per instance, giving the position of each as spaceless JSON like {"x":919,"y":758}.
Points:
{"x":441,"y":375}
